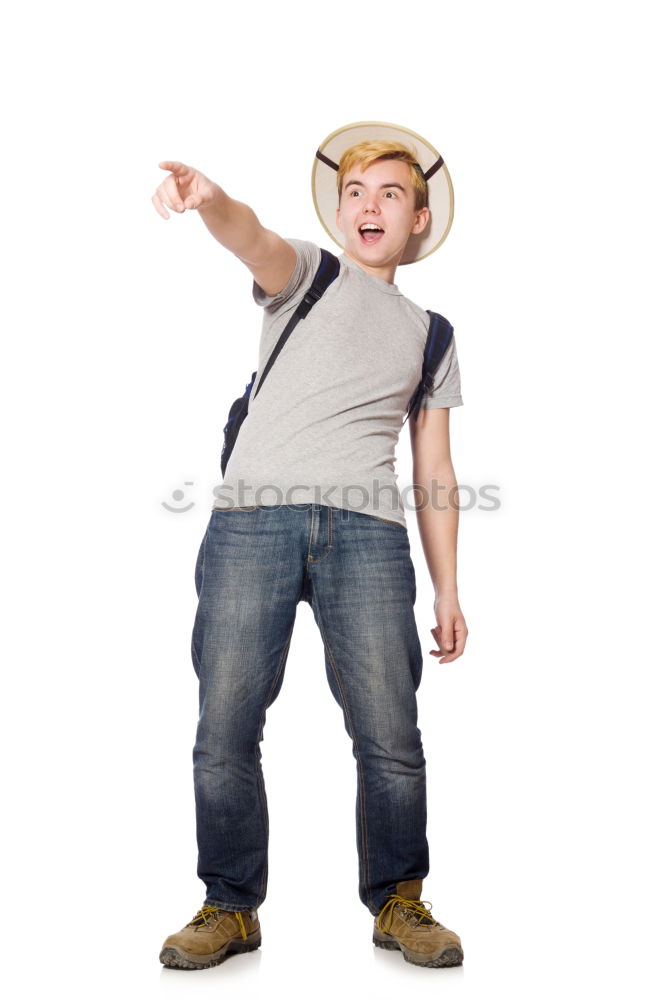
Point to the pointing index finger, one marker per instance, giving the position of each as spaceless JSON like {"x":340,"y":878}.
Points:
{"x":174,"y":166}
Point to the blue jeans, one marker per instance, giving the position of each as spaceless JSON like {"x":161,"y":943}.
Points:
{"x":253,"y":568}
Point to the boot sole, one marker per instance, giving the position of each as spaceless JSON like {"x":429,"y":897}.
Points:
{"x":447,"y":958}
{"x":177,"y":958}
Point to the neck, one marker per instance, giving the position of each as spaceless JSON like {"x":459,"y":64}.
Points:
{"x":386,"y":271}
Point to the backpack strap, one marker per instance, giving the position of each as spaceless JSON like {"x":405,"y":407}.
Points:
{"x":327,"y":272}
{"x":440,"y":333}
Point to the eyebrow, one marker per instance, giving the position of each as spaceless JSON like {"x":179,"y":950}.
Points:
{"x":381,"y":186}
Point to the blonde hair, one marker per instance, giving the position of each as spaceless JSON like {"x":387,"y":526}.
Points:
{"x":365,"y":153}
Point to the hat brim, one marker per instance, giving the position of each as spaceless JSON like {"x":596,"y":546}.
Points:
{"x":440,"y":188}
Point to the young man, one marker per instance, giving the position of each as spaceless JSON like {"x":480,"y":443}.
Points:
{"x":309,"y":510}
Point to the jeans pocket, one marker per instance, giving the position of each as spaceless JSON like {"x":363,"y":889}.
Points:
{"x":382,"y":520}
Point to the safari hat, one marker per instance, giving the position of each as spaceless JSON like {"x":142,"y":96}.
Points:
{"x":435,"y":171}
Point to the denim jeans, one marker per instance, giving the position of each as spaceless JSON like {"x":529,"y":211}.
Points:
{"x":355,"y":570}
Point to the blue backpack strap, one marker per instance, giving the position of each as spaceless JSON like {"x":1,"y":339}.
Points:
{"x":440,"y":333}
{"x":329,"y":267}
{"x":328,"y":270}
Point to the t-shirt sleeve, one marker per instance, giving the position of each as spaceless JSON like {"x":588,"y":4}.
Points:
{"x":307,"y":262}
{"x":447,"y":389}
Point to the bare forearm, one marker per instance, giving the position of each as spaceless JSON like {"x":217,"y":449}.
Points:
{"x":438,"y":517}
{"x":232,"y":223}
{"x":269,"y":257}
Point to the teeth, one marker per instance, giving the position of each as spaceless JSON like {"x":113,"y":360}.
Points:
{"x":369,"y":225}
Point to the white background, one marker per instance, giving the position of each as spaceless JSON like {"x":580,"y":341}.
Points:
{"x":125,"y":340}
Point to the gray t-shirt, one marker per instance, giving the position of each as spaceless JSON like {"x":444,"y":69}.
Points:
{"x":324,"y":425}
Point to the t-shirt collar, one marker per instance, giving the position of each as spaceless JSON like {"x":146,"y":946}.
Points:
{"x":380,"y":283}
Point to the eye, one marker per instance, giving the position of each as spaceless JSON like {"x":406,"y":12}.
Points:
{"x":391,"y":194}
{"x":353,"y":192}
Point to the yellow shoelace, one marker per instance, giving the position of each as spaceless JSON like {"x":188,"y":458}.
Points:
{"x":206,"y":911}
{"x":417,"y":907}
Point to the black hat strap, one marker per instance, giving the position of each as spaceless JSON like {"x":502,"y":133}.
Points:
{"x":427,"y":175}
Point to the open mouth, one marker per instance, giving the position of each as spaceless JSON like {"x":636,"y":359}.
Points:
{"x":370,"y":232}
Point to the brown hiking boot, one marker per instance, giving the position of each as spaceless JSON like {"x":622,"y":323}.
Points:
{"x":404,"y":922}
{"x":210,"y":937}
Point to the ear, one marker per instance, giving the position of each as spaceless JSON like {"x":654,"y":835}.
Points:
{"x":338,"y":219}
{"x":421,"y":220}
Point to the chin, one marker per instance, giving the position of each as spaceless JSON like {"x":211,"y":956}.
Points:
{"x":374,"y":254}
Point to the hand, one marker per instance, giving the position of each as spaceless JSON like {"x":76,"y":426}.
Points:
{"x":451,"y":631}
{"x":184,"y":188}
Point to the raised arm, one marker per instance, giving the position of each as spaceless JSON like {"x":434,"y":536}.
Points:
{"x":268,"y":257}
